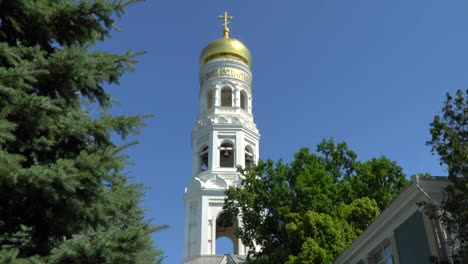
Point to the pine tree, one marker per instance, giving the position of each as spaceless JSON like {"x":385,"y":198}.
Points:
{"x":64,"y":197}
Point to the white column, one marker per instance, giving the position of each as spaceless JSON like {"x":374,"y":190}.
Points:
{"x":211,"y":236}
{"x":214,"y":151}
{"x":217,"y":95}
{"x":236,"y":97}
{"x":204,"y":247}
{"x":240,"y":149}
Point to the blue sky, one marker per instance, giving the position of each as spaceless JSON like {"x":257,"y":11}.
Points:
{"x":372,"y":73}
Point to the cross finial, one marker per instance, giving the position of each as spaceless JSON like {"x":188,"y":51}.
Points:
{"x":226,"y":23}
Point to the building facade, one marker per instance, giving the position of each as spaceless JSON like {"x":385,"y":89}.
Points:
{"x":406,"y":232}
{"x":224,"y":137}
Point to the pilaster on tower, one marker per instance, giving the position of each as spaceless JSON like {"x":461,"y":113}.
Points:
{"x":224,"y":137}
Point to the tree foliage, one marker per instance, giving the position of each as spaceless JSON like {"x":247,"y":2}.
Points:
{"x":450,"y":141}
{"x":310,"y":210}
{"x":64,"y":197}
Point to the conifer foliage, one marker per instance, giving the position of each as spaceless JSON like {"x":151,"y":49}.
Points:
{"x":64,"y":197}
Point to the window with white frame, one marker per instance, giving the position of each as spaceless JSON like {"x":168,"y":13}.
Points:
{"x":384,"y":255}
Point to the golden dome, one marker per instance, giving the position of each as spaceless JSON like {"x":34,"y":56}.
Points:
{"x":226,"y":47}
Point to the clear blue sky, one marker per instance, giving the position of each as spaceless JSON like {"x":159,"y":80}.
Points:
{"x":372,"y":73}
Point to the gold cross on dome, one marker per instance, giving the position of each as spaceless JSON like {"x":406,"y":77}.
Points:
{"x":226,"y":23}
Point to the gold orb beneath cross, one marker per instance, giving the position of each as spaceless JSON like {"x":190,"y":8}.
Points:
{"x":226,"y":47}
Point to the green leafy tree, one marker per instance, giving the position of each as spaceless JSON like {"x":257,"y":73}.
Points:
{"x":310,"y":210}
{"x":379,"y":179}
{"x":450,"y":141}
{"x":64,"y":197}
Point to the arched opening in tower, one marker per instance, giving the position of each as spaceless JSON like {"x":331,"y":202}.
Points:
{"x":204,"y":158}
{"x":224,"y":245}
{"x":225,"y":235}
{"x":209,"y":100}
{"x":226,"y":96}
{"x":243,"y":100}
{"x":226,"y":153}
{"x":249,"y":157}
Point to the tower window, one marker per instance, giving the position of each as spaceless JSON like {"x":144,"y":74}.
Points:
{"x":226,"y":155}
{"x":226,"y":96}
{"x":204,"y":159}
{"x":209,"y":100}
{"x":243,"y":100}
{"x":249,"y":157}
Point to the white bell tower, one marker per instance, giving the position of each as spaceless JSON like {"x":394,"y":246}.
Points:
{"x":224,"y":137}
